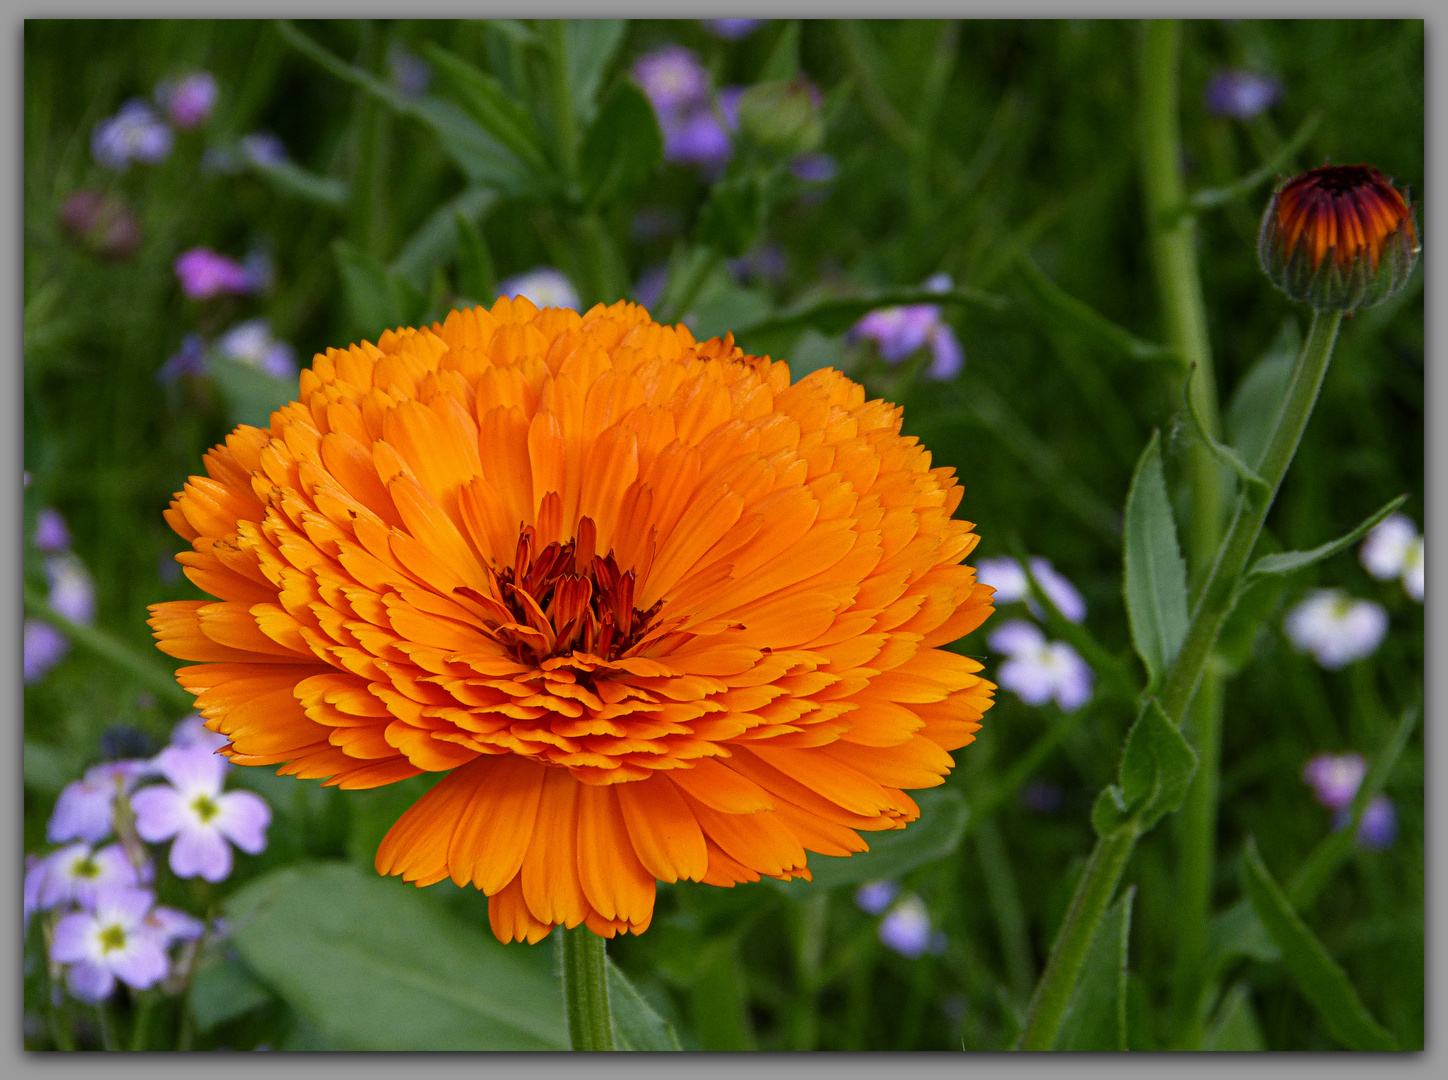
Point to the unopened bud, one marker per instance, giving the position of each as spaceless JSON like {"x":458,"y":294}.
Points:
{"x":101,"y":223}
{"x":783,"y":117}
{"x":1339,"y":237}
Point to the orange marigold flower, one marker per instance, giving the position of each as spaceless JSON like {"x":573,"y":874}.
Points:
{"x":656,"y":612}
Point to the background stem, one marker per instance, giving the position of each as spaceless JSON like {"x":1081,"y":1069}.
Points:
{"x":585,"y":990}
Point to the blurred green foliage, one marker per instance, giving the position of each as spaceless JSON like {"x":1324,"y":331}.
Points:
{"x":1002,"y":153}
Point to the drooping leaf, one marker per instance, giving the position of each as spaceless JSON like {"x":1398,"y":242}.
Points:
{"x":591,"y":45}
{"x":1221,"y":451}
{"x":251,"y":394}
{"x":1156,"y":576}
{"x":636,"y":1026}
{"x":621,"y":147}
{"x":375,"y":965}
{"x":1291,"y":561}
{"x":1235,"y":1027}
{"x":292,"y":179}
{"x":1095,"y":1019}
{"x":1156,"y":768}
{"x":1318,"y":977}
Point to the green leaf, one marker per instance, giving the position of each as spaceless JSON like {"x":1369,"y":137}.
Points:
{"x":720,"y":310}
{"x":733,"y":216}
{"x":636,"y":1026}
{"x":1256,"y":603}
{"x":836,"y":314}
{"x":485,"y":100}
{"x":1156,"y":769}
{"x":591,"y":45}
{"x":292,"y":179}
{"x":222,"y":991}
{"x":376,"y":298}
{"x":374,"y":964}
{"x":438,"y":238}
{"x":1259,"y":396}
{"x":1095,"y":1019}
{"x":936,"y":834}
{"x":1156,"y":577}
{"x":1235,"y":1026}
{"x":1238,"y":932}
{"x":1291,"y":561}
{"x":47,"y":769}
{"x":1320,"y":979}
{"x":783,"y":62}
{"x":621,"y":148}
{"x":1277,"y":163}
{"x":1220,"y":451}
{"x":251,"y":394}
{"x":1069,"y":313}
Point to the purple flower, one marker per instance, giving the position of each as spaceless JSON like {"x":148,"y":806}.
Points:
{"x":102,"y":223}
{"x":409,"y":73}
{"x":78,"y":875}
{"x":263,"y":148}
{"x":697,"y":138}
{"x":188,"y":101}
{"x":51,"y":535}
{"x":189,"y":360}
{"x":1008,"y":578}
{"x":1037,"y":670}
{"x":1378,"y":827}
{"x":1336,"y":628}
{"x":85,"y":808}
{"x":672,"y":79}
{"x":649,"y":289}
{"x":727,"y":102}
{"x":947,"y":357}
{"x":251,"y":343}
{"x":171,"y":925}
{"x":898,"y":331}
{"x":111,"y":942}
{"x":907,"y":930}
{"x":543,"y":286}
{"x":764,"y":263}
{"x":1241,"y":94}
{"x":134,"y":133}
{"x":192,"y":731}
{"x":732,"y":29}
{"x":205,"y":273}
{"x":35,"y":869}
{"x":193,"y":809}
{"x":44,"y":647}
{"x":874,"y":897}
{"x":814,"y":168}
{"x":72,"y":593}
{"x":1334,"y":778}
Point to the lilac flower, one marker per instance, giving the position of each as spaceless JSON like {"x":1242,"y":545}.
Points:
{"x":727,"y":102}
{"x":1008,"y":578}
{"x":947,"y":357}
{"x":697,"y":138}
{"x":44,"y":647}
{"x":814,"y":168}
{"x":1334,"y":778}
{"x":649,"y":289}
{"x":85,"y":807}
{"x":907,"y":929}
{"x":409,"y":73}
{"x":258,"y":266}
{"x":188,"y":101}
{"x":1377,"y":828}
{"x":192,"y":731}
{"x":51,"y":535}
{"x":36,"y":867}
{"x":900,"y":331}
{"x":672,"y":79}
{"x":111,"y":942}
{"x":72,"y":593}
{"x":1394,"y":549}
{"x":205,"y":273}
{"x":78,"y":875}
{"x":544,"y":286}
{"x":1241,"y":94}
{"x":263,"y":148}
{"x":874,"y":897}
{"x":251,"y":343}
{"x":1336,"y":628}
{"x":763,"y":263}
{"x":732,"y":29}
{"x":133,"y":134}
{"x":171,"y":925}
{"x":193,"y":809}
{"x":190,"y":359}
{"x":1038,"y":671}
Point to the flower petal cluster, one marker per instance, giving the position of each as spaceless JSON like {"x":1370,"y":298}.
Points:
{"x":654,"y":611}
{"x":1008,"y":578}
{"x":900,"y":331}
{"x":907,"y":929}
{"x":85,"y":808}
{"x":205,"y":273}
{"x":1038,"y":670}
{"x":1335,"y":627}
{"x":188,"y":101}
{"x":135,"y":133}
{"x":251,"y":342}
{"x":112,"y":940}
{"x":1335,"y":778}
{"x":1241,"y":94}
{"x":1393,"y":549}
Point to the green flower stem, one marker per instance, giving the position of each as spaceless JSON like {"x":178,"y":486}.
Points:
{"x":111,"y":648}
{"x":108,"y":1034}
{"x":1068,"y":955}
{"x":560,"y":100}
{"x":585,"y":990}
{"x":141,"y":1026}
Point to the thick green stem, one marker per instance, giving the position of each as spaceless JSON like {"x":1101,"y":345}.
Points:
{"x":1093,"y":894}
{"x":585,"y":990}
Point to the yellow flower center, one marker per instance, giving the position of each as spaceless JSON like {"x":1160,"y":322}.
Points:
{"x":205,"y":808}
{"x":113,"y":937}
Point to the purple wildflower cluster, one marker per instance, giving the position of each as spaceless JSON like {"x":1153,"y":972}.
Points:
{"x":906,"y":928}
{"x":137,"y":133}
{"x":1037,"y":670}
{"x":1241,"y":95}
{"x":1335,"y":779}
{"x":899,"y":332}
{"x":71,"y":595}
{"x":102,"y":919}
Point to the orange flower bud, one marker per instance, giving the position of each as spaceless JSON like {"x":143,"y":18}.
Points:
{"x":1339,"y":237}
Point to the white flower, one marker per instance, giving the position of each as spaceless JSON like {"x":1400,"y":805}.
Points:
{"x":1038,"y":670}
{"x":544,"y":286}
{"x":112,"y":941}
{"x":1336,"y":628}
{"x":193,"y":809}
{"x":1394,"y":549}
{"x":1413,"y":570}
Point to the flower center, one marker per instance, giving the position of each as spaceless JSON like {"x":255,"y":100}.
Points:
{"x":205,"y":808}
{"x":86,"y":868}
{"x":112,"y":937}
{"x":564,"y":598}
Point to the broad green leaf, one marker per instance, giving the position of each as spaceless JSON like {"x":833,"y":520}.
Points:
{"x":1095,"y":1019}
{"x":375,"y":965}
{"x":436,"y":241}
{"x":251,"y":394}
{"x":720,"y":310}
{"x":222,"y":991}
{"x":621,"y":148}
{"x":488,"y":103}
{"x":1318,"y":977}
{"x":1156,"y":769}
{"x":1254,"y":406}
{"x":1235,"y":1026}
{"x":376,"y":298}
{"x":591,"y":45}
{"x":835,"y":315}
{"x":1291,"y":561}
{"x":636,"y":1026}
{"x":477,"y":280}
{"x":936,"y":834}
{"x":1071,"y":314}
{"x":292,"y":179}
{"x":1238,"y":932}
{"x":783,"y":61}
{"x":1156,"y":577}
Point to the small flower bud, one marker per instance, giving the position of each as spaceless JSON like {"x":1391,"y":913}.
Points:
{"x":1339,"y":237}
{"x":783,"y":117}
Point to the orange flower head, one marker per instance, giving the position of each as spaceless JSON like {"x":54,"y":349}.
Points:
{"x":1339,"y":237}
{"x":654,"y":612}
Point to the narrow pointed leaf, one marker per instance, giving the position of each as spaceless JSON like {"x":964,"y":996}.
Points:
{"x":783,"y":62}
{"x":636,"y":1026}
{"x":1235,"y":1026}
{"x":488,"y":103}
{"x":1156,"y":576}
{"x":1072,"y":314}
{"x":1096,"y":1017}
{"x":1318,"y":977}
{"x":1157,"y":766}
{"x":1221,"y":451}
{"x":1291,"y":561}
{"x":1259,"y":396}
{"x":591,"y":45}
{"x":292,"y":179}
{"x":437,"y":239}
{"x":477,"y":280}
